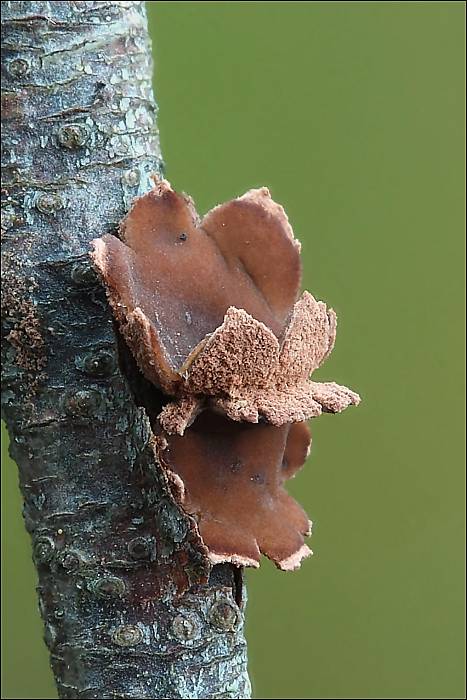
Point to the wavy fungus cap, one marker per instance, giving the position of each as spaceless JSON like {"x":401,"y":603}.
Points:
{"x":229,"y":477}
{"x":250,"y":376}
{"x":171,"y":277}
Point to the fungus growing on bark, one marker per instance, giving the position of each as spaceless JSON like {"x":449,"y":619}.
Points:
{"x":209,"y":309}
{"x":229,"y":477}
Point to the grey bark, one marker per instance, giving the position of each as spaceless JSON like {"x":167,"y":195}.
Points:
{"x":130,"y":606}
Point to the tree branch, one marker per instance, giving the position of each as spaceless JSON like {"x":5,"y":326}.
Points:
{"x":130,"y":606}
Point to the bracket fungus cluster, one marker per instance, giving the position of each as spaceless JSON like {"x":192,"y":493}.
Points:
{"x":210,"y":309}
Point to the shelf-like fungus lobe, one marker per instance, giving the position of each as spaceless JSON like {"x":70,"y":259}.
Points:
{"x":230,"y":479}
{"x":209,"y":309}
{"x":250,"y":376}
{"x":171,"y":277}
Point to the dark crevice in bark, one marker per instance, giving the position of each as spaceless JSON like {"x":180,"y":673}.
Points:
{"x":145,"y":394}
{"x":130,"y":606}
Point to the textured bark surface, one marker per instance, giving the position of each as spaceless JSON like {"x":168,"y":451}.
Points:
{"x":130,"y":605}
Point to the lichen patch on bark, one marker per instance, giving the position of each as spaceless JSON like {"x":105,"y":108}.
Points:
{"x":22,"y":324}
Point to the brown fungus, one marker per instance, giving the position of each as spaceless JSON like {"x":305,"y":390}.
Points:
{"x":209,"y":309}
{"x":171,"y":278}
{"x":229,"y":477}
{"x":249,"y":375}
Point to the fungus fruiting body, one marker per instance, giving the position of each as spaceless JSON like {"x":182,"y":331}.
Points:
{"x":172,"y":277}
{"x":210,"y":309}
{"x":230,"y":479}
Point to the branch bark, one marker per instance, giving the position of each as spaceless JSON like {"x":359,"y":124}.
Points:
{"x":131,"y":608}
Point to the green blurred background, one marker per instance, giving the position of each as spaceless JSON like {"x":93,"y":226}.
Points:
{"x":353,"y":115}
